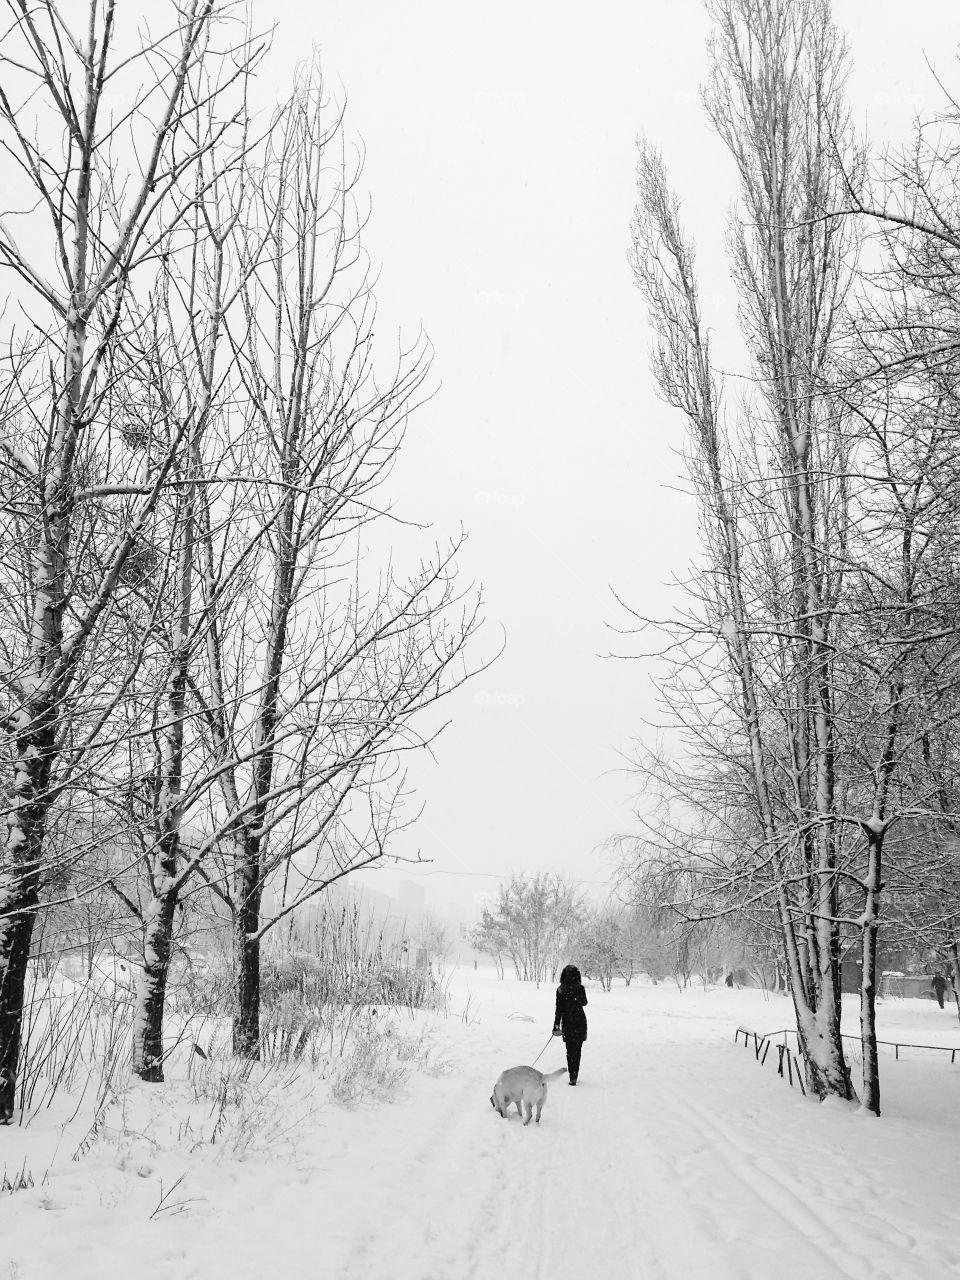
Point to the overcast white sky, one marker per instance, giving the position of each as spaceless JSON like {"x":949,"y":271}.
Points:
{"x":499,"y":145}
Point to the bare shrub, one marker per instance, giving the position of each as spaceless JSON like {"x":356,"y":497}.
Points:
{"x":74,"y":1036}
{"x":377,"y":1058}
{"x":22,"y":1180}
{"x":370,"y":1067}
{"x":336,"y":958}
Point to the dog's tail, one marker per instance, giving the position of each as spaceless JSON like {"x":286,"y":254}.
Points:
{"x":555,"y":1075}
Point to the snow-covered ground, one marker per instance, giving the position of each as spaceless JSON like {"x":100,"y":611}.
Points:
{"x":676,"y":1156}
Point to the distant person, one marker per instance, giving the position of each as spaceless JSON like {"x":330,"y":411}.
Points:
{"x":939,"y":987}
{"x":570,"y":1020}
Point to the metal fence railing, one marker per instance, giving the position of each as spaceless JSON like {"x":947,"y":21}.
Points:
{"x":897,"y":1045}
{"x":761,"y":1047}
{"x":787,"y":1060}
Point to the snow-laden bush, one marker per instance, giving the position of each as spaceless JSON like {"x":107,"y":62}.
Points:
{"x":336,"y":958}
{"x":310,"y":972}
{"x":332,"y":993}
{"x":377,"y":1058}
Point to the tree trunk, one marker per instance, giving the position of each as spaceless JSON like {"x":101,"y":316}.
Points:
{"x":822,"y":1050}
{"x":246,"y":941}
{"x":152,"y":990}
{"x":955,"y":971}
{"x":868,"y":980}
{"x":868,"y":1022}
{"x":158,"y":921}
{"x":20,"y":864}
{"x":15,"y":935}
{"x":818,"y":1020}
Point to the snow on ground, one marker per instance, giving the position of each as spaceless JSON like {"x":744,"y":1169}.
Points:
{"x":677,"y":1157}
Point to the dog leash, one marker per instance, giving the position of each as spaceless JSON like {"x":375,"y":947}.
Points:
{"x":542,"y":1051}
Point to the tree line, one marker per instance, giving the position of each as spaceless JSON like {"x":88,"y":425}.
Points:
{"x":811,"y":673}
{"x":211,"y":658}
{"x":540,"y":922}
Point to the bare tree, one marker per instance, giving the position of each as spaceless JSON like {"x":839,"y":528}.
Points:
{"x":534,"y":923}
{"x":280,"y":687}
{"x":775,"y":98}
{"x":433,"y":938}
{"x":107,"y":161}
{"x":315,"y":668}
{"x":182,"y":367}
{"x":604,"y":946}
{"x":818,"y":652}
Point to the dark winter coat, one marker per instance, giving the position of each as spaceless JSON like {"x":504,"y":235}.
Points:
{"x":571,"y":997}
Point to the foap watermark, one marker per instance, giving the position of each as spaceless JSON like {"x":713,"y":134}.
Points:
{"x":490,"y":698}
{"x":897,"y":98}
{"x":496,"y":298}
{"x":493,"y":498}
{"x":500,"y":98}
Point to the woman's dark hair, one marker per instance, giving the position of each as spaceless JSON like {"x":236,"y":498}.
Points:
{"x":570,"y":975}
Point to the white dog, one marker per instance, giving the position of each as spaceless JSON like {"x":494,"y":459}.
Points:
{"x":525,"y":1086}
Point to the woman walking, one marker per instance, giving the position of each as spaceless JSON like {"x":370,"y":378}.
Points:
{"x":570,"y":1020}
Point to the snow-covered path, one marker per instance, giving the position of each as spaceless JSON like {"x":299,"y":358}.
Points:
{"x":676,"y":1157}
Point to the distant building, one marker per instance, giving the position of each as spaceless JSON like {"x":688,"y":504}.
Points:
{"x":906,"y":985}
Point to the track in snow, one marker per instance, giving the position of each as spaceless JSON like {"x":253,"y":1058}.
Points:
{"x":676,"y":1158}
{"x":669,"y":1161}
